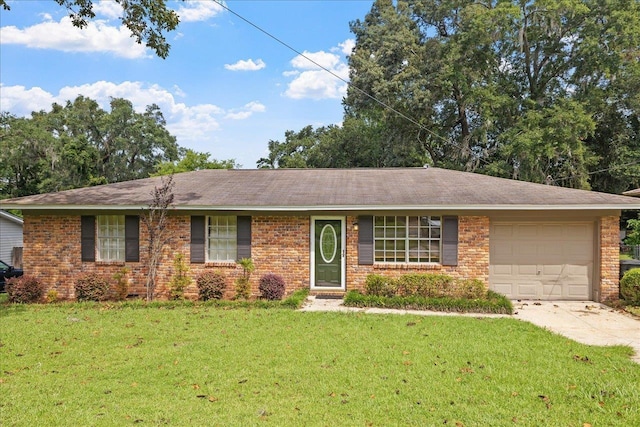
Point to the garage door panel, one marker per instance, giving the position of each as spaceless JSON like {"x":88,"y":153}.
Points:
{"x":577,"y":290}
{"x":542,"y":260}
{"x":503,"y":270}
{"x":551,"y":290}
{"x":504,"y":288}
{"x":525,"y":269}
{"x":551,"y":232}
{"x":528,"y":290}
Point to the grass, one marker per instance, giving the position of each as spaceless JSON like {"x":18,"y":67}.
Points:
{"x":200,"y":364}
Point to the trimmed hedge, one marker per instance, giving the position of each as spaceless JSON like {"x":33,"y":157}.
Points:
{"x":424,"y":286}
{"x":492,"y":303}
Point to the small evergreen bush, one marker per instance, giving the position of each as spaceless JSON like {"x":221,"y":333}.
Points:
{"x":379,"y":285}
{"x":630,"y":286}
{"x":52,"y":296}
{"x":179,"y":280}
{"x":211,"y":285}
{"x":271,"y":287}
{"x":470,"y":289}
{"x":243,"y":286}
{"x":122,"y":284}
{"x":24,"y":289}
{"x":91,"y":287}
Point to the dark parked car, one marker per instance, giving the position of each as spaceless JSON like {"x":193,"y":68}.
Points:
{"x":7,"y":271}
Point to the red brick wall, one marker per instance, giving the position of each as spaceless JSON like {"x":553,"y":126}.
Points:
{"x":609,"y":258}
{"x":280,"y":244}
{"x":473,"y":255}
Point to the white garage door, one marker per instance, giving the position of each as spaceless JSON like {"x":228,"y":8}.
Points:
{"x":549,"y":261}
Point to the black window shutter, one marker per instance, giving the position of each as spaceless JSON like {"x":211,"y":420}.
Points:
{"x":88,"y":238}
{"x":244,"y":237}
{"x":365,"y":240}
{"x":198,"y":224}
{"x":450,"y":240}
{"x":132,"y":238}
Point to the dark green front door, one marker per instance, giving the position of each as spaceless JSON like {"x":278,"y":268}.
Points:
{"x":328,"y":253}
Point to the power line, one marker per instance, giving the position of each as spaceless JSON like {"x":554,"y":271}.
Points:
{"x":637,"y":162}
{"x":347,"y":82}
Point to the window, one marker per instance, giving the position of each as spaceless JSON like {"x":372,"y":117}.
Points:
{"x":414,"y":239}
{"x":111,"y":238}
{"x":222,"y":238}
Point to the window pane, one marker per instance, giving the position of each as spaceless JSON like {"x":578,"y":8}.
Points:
{"x":407,"y":238}
{"x":110,"y":238}
{"x":221,"y":238}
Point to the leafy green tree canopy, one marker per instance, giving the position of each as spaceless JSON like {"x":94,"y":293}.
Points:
{"x":80,"y":144}
{"x":191,"y":160}
{"x":541,"y":90}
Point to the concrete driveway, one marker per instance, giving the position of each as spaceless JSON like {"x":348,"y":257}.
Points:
{"x":587,"y":322}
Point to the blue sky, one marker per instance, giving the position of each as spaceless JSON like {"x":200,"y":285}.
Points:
{"x":226,"y":88}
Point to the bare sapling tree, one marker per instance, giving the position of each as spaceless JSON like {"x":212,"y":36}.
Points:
{"x":155,"y":218}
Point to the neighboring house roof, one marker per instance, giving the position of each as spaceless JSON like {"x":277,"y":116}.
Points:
{"x":11,"y":217}
{"x":635,"y":193}
{"x":330,"y":189}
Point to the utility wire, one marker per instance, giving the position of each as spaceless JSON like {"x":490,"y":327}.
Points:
{"x":382,"y":103}
{"x":637,"y":162}
{"x":347,"y":82}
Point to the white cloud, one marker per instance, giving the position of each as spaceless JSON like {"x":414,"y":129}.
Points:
{"x":347,"y":46}
{"x":247,"y":65}
{"x":98,"y":36}
{"x":193,"y":11}
{"x":246,"y":111}
{"x":108,"y":9}
{"x":308,"y":60}
{"x":310,"y":81}
{"x":22,"y":101}
{"x":188,"y":123}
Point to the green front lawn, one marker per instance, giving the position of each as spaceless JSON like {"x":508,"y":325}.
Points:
{"x":200,"y":365}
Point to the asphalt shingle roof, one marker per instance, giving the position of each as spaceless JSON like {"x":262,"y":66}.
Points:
{"x":339,"y":189}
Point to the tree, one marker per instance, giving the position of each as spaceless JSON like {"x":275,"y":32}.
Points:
{"x":541,"y":90}
{"x":155,"y":219}
{"x":190,"y":160}
{"x":80,"y":144}
{"x":147,"y":20}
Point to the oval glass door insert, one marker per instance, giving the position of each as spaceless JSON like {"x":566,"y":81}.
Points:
{"x":328,"y":243}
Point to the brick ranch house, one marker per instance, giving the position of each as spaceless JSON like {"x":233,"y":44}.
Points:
{"x":327,"y":229}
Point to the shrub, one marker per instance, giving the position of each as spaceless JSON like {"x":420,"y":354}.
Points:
{"x":211,"y":285}
{"x":271,"y":287}
{"x":470,"y":289}
{"x":630,"y":286}
{"x":24,"y":289}
{"x":179,"y":280}
{"x":379,"y":285}
{"x":52,"y":296}
{"x":243,"y":286}
{"x":122,"y":284}
{"x":433,"y":285}
{"x":91,"y":287}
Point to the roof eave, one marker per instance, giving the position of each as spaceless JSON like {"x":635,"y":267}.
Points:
{"x":343,"y":208}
